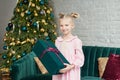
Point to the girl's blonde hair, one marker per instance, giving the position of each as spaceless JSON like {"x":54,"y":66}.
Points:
{"x":71,"y":15}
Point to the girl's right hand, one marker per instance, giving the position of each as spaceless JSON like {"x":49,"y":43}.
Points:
{"x":67,"y":68}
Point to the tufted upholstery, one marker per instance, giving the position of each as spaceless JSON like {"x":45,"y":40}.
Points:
{"x":26,"y":68}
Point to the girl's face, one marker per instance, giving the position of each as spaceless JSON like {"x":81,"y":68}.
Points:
{"x":66,"y":26}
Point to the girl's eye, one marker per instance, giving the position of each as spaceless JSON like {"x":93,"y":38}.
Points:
{"x":66,"y":25}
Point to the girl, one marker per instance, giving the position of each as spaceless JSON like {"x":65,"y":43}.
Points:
{"x":71,"y":47}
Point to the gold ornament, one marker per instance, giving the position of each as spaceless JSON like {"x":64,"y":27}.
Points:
{"x":6,"y":34}
{"x":55,"y":26}
{"x":37,"y":7}
{"x":43,"y":21}
{"x":55,"y":33}
{"x":18,"y":56}
{"x":48,"y":11}
{"x":3,"y":70}
{"x":34,"y":31}
{"x":8,"y":61}
{"x":18,"y":42}
{"x":4,"y":39}
{"x":32,"y":41}
{"x":45,"y":34}
{"x":12,"y":43}
{"x":28,"y":24}
{"x":36,"y":14}
{"x":51,"y":9}
{"x":33,"y":5}
{"x":28,"y":40}
{"x":13,"y":39}
{"x":17,"y":9}
{"x":22,"y":14}
{"x":12,"y":51}
{"x":42,"y":30}
{"x":9,"y":54}
{"x":23,"y":42}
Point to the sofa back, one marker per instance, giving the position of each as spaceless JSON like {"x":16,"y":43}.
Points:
{"x":26,"y":67}
{"x":92,"y":53}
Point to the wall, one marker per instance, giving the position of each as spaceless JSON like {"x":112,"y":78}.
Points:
{"x":99,"y":22}
{"x":6,"y":12}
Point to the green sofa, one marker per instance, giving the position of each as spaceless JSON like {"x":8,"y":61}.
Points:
{"x":26,"y":68}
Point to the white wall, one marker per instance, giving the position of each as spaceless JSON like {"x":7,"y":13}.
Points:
{"x":99,"y":23}
{"x":6,"y":12}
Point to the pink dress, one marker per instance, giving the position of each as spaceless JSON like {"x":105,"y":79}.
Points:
{"x":72,"y":51}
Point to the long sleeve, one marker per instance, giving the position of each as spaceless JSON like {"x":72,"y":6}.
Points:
{"x":79,"y":56}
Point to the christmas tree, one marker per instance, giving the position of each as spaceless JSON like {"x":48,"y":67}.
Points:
{"x":32,"y":20}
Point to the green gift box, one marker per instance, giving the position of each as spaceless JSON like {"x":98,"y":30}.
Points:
{"x":50,"y":56}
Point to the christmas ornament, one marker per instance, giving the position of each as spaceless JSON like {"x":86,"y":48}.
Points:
{"x":28,"y":12}
{"x":4,"y":56}
{"x":48,"y":11}
{"x":38,"y":7}
{"x":24,"y":28}
{"x":25,"y":1}
{"x":10,"y":25}
{"x":12,"y":44}
{"x":13,"y":58}
{"x":22,"y":14}
{"x":13,"y":39}
{"x":8,"y":61}
{"x":18,"y":42}
{"x":33,"y":5}
{"x":36,"y":14}
{"x":42,"y":30}
{"x":51,"y":15}
{"x":35,"y":24}
{"x":45,"y":34}
{"x":43,"y":21}
{"x":23,"y":42}
{"x":5,"y":47}
{"x":12,"y":51}
{"x":9,"y":54}
{"x":42,"y":2}
{"x":34,"y":31}
{"x":4,"y":39}
{"x":21,"y":4}
{"x":28,"y":23}
{"x":42,"y":12}
{"x":23,"y":54}
{"x":47,"y":38}
{"x":17,"y":10}
{"x":28,"y":40}
{"x":32,"y":41}
{"x":18,"y":56}
{"x":8,"y":29}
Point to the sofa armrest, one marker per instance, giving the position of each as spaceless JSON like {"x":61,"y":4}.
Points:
{"x":24,"y":67}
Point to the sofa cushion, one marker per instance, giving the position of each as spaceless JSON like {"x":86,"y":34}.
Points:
{"x":102,"y":61}
{"x":112,"y":70}
{"x":40,"y":65}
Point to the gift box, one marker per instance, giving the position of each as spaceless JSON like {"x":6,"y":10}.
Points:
{"x":50,"y":56}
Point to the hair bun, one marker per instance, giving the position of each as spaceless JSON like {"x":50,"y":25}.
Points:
{"x":75,"y":15}
{"x":61,"y":15}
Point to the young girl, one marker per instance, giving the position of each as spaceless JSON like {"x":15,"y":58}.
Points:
{"x":71,"y":47}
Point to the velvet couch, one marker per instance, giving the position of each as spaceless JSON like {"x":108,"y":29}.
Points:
{"x":26,"y":68}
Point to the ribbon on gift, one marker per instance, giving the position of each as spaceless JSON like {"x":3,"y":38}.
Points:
{"x":50,"y":49}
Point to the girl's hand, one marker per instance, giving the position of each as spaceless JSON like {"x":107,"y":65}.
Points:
{"x":67,"y":68}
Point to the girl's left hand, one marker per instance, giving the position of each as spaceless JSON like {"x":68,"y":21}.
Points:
{"x":67,"y":68}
